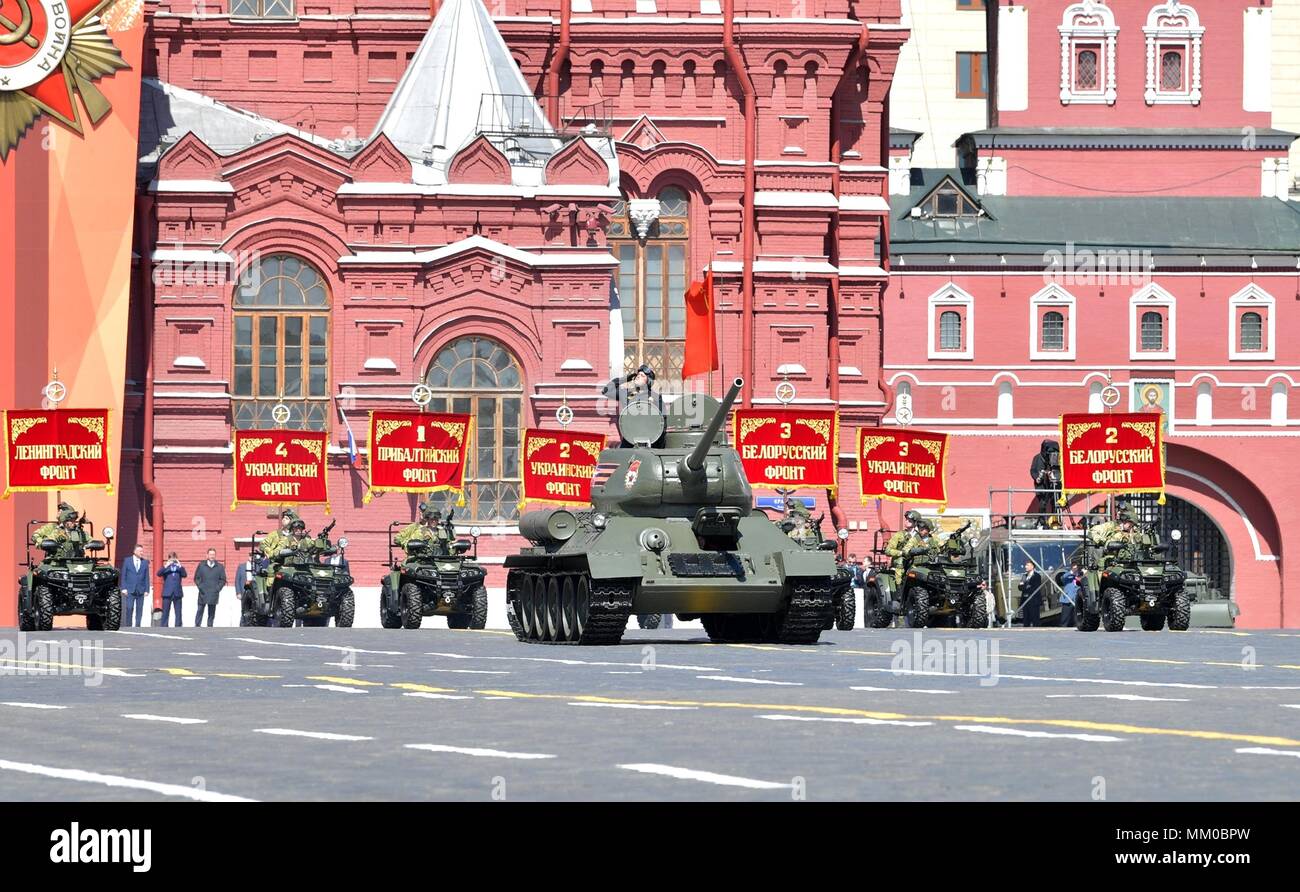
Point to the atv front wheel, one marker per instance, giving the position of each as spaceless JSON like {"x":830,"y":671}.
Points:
{"x":387,"y":618}
{"x":918,"y":608}
{"x":44,"y":609}
{"x":111,"y":620}
{"x":874,"y":614}
{"x":412,"y":606}
{"x":1180,"y":616}
{"x":286,"y":608}
{"x":649,"y":620}
{"x":1152,"y":622}
{"x":848,"y":612}
{"x":977,"y":617}
{"x":1086,"y":622}
{"x":347,"y":610}
{"x":1114,"y":610}
{"x":478,"y":614}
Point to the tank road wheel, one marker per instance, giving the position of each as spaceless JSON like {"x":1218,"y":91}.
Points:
{"x":582,"y":605}
{"x":1114,"y":610}
{"x":387,"y":618}
{"x":1180,"y":616}
{"x":524,"y":608}
{"x":918,"y":607}
{"x":412,"y":606}
{"x":347,"y":611}
{"x":44,"y":604}
{"x":284,"y":607}
{"x":1152,"y":622}
{"x":514,"y":586}
{"x":569,"y":611}
{"x":111,"y":620}
{"x":551,"y":628}
{"x":977,"y":615}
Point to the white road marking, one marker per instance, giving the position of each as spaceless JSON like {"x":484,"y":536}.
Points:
{"x":1002,"y":675}
{"x":498,"y":698}
{"x":113,"y":780}
{"x":266,"y":659}
{"x":621,"y":672}
{"x":315,"y":735}
{"x":1017,"y":732}
{"x":380,"y":666}
{"x":708,"y":777}
{"x":340,"y":688}
{"x":121,"y":673}
{"x":570,"y":662}
{"x":429,"y":695}
{"x":1266,"y":687}
{"x":1137,"y":697}
{"x":32,"y":705}
{"x":334,"y":647}
{"x":188,"y":653}
{"x":1291,"y":705}
{"x":797,"y":684}
{"x":193,"y":678}
{"x":631,"y":705}
{"x":1265,"y":751}
{"x":776,"y":717}
{"x":476,"y":751}
{"x":156,"y":635}
{"x":473,"y":671}
{"x":173,"y":719}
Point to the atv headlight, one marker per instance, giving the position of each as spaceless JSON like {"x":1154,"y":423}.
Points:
{"x":58,"y":574}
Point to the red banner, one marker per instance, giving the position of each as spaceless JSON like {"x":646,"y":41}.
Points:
{"x":788,"y":448}
{"x":281,"y":467}
{"x":56,"y":449}
{"x":1112,"y":452}
{"x":558,"y":465}
{"x":418,"y":451}
{"x":902,"y":465}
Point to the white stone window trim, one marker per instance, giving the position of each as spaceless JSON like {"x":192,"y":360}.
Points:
{"x":1104,"y":33}
{"x":950,"y":297}
{"x":1188,"y":37}
{"x":1252,"y":297}
{"x":1051,"y":297}
{"x":1152,"y":297}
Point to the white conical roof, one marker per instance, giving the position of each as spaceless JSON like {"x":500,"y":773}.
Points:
{"x":439,"y":103}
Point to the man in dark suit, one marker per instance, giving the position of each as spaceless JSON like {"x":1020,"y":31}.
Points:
{"x":171,"y":574}
{"x":1031,"y":595}
{"x":135,"y":585}
{"x":210,"y":579}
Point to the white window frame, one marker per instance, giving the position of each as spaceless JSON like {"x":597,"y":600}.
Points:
{"x":1255,"y":298}
{"x":1152,"y":297}
{"x":1100,"y":28}
{"x":1173,"y":23}
{"x":1051,"y":296}
{"x":950,"y":297}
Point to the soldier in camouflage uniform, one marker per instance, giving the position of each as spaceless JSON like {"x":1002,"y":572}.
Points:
{"x":923,"y":543}
{"x":796,"y":512}
{"x":66,"y":531}
{"x":896,"y":547}
{"x":429,"y":529}
{"x":1122,"y":529}
{"x":277,"y":540}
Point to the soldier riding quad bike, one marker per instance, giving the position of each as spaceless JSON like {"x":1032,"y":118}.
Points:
{"x":296,"y":584}
{"x":1129,"y":574}
{"x":673,"y":529}
{"x":435,"y":578}
{"x":940,"y":584}
{"x":70,"y":578}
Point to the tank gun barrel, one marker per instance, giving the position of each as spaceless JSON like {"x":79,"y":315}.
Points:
{"x":694,"y":463}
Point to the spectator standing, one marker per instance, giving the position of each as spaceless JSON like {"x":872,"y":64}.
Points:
{"x":1031,"y":592}
{"x":210,"y":579}
{"x":135,"y":585}
{"x":1070,"y":591}
{"x":172,"y":573}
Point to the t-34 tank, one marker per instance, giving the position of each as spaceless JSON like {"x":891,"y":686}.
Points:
{"x":672,"y":529}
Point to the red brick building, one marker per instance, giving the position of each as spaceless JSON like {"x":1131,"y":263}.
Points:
{"x":341,"y":200}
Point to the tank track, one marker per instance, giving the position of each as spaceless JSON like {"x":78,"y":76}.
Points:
{"x":608,"y":610}
{"x":810,"y":609}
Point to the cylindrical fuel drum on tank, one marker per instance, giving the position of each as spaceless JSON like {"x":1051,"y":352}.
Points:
{"x":553,"y":525}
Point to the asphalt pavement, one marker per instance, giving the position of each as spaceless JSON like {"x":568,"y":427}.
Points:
{"x":363,"y":714}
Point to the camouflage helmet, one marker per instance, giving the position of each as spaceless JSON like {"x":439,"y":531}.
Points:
{"x":66,"y":512}
{"x":924,"y":523}
{"x":913,"y":517}
{"x":298,"y":524}
{"x":428,"y":510}
{"x":1126,"y":515}
{"x":289,"y":513}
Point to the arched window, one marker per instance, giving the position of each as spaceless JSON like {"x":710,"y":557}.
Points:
{"x":261,"y":9}
{"x":1252,"y":332}
{"x":1153,"y":331}
{"x":281,"y":344}
{"x":1171,"y":70}
{"x":1053,"y":331}
{"x":1204,"y":403}
{"x":651,"y":240}
{"x":950,"y":330}
{"x":479,"y":377}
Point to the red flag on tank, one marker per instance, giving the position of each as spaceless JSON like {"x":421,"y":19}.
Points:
{"x":701,"y":338}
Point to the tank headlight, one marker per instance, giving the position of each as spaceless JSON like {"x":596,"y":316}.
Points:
{"x":654,"y":539}
{"x":599,"y":520}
